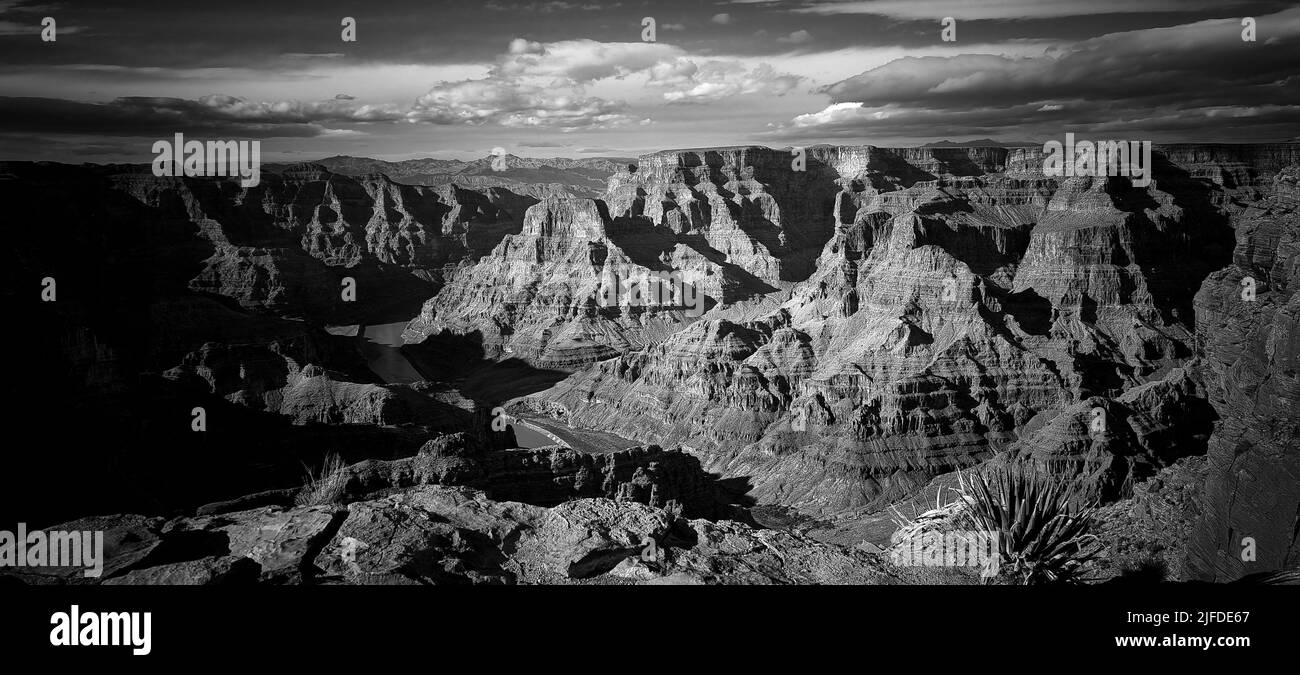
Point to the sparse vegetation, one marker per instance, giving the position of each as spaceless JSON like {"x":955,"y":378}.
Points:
{"x":1041,"y":521}
{"x":325,"y":486}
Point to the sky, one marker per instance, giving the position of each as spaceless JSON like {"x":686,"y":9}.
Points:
{"x":577,"y":78}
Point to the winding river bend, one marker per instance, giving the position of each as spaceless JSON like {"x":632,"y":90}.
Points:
{"x":381,"y":345}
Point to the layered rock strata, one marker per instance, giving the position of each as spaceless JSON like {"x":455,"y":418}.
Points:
{"x":1248,"y":321}
{"x":962,"y":300}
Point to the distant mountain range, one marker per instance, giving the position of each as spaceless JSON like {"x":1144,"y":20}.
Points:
{"x":537,"y":177}
{"x":982,"y":142}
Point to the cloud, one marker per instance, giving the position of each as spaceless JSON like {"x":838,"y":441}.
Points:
{"x":687,"y":81}
{"x":574,"y":63}
{"x":30,"y":24}
{"x":34,"y":29}
{"x":834,"y":114}
{"x":580,"y":61}
{"x":72,"y":148}
{"x":537,"y":84}
{"x":18,"y":6}
{"x":933,"y":10}
{"x":541,"y":84}
{"x":276,"y":112}
{"x":512,"y":103}
{"x":721,"y":19}
{"x":1165,"y":81}
{"x":1203,"y":59}
{"x":216,"y":115}
{"x":548,"y":6}
{"x":797,"y":38}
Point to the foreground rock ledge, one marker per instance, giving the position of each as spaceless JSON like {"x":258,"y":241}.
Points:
{"x":454,"y":535}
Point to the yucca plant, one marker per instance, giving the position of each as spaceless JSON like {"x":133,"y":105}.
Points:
{"x":1042,"y":530}
{"x":325,"y":487}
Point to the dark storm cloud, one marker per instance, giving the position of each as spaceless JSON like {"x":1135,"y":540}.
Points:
{"x":549,"y":6}
{"x":244,"y":33}
{"x":161,"y":116}
{"x":74,"y":148}
{"x":259,"y":34}
{"x":994,"y":9}
{"x":1208,"y":62}
{"x":1166,"y":81}
{"x":1033,"y":123}
{"x":916,"y":23}
{"x":481,"y":72}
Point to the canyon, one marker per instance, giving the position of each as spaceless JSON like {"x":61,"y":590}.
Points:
{"x":872,"y":324}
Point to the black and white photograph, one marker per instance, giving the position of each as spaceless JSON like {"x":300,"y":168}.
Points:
{"x":387,"y":303}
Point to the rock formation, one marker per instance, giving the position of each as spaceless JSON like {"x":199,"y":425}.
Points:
{"x":535,"y":177}
{"x":455,"y":535}
{"x":1248,"y":319}
{"x":869,"y":320}
{"x":962,"y":301}
{"x":175,"y":294}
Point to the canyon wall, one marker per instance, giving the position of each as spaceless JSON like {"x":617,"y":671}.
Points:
{"x":876,"y":319}
{"x":138,"y":298}
{"x":1248,"y":319}
{"x":961,"y":304}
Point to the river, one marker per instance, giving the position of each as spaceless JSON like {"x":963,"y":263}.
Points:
{"x":382,"y":349}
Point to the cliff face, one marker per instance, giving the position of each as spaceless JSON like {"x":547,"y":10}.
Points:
{"x":736,"y":223}
{"x":537,"y":295}
{"x":748,"y":204}
{"x":960,"y":301}
{"x":1252,"y":360}
{"x":209,"y":283}
{"x":172,"y":293}
{"x":287,"y":244}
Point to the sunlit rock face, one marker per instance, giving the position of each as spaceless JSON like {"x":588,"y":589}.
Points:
{"x":960,"y":304}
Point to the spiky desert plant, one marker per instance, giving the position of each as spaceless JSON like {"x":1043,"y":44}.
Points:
{"x":1042,"y":530}
{"x":325,"y":486}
